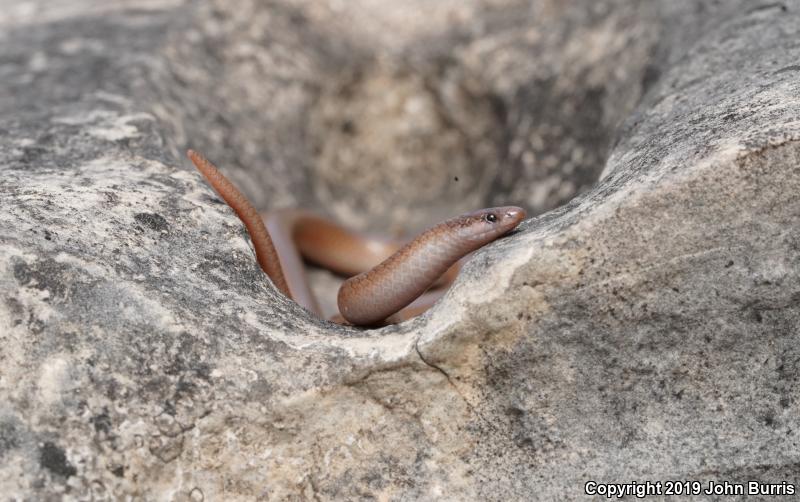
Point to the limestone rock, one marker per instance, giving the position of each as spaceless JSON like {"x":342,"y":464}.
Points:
{"x":645,"y":329}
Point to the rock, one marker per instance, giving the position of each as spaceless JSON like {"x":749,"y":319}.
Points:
{"x":644,"y":330}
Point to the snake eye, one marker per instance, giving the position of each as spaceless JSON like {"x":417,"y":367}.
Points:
{"x":491,"y":217}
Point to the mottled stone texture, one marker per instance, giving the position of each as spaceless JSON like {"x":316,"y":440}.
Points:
{"x":646,"y":329}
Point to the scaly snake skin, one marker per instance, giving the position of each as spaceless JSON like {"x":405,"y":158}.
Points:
{"x":376,"y":294}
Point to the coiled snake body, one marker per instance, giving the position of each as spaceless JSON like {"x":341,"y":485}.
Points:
{"x":371,"y":296}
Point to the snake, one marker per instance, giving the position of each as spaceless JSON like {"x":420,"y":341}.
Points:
{"x":385,"y":276}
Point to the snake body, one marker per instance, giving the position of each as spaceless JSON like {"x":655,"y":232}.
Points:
{"x":400,"y":273}
{"x":374,"y":295}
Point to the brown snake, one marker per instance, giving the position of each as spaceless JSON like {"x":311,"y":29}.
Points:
{"x":373,"y":295}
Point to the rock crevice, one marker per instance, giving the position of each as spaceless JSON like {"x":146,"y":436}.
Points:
{"x":632,"y":329}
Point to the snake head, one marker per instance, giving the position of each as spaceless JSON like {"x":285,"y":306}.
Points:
{"x":485,"y":225}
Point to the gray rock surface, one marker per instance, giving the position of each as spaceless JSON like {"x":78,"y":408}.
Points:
{"x":645,"y":330}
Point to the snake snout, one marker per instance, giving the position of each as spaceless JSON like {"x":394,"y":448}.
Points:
{"x":513,"y":214}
